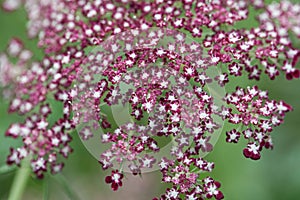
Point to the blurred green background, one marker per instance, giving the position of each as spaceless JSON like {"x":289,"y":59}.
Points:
{"x":275,"y":177}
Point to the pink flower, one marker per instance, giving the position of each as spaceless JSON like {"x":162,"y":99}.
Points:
{"x":115,"y":179}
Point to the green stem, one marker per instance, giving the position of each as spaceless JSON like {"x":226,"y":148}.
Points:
{"x":20,"y":180}
{"x":46,"y":189}
{"x":173,"y":139}
{"x":6,"y":169}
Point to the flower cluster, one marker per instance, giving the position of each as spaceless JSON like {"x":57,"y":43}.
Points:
{"x":183,"y":174}
{"x":161,"y":60}
{"x":166,"y":108}
{"x":257,"y":115}
{"x":10,"y":71}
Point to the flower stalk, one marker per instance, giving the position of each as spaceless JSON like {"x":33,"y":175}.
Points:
{"x":7,"y":169}
{"x":20,"y":181}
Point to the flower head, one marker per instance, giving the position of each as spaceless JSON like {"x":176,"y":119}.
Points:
{"x":161,"y":61}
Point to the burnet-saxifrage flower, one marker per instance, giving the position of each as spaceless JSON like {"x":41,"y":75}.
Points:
{"x":153,"y":38}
